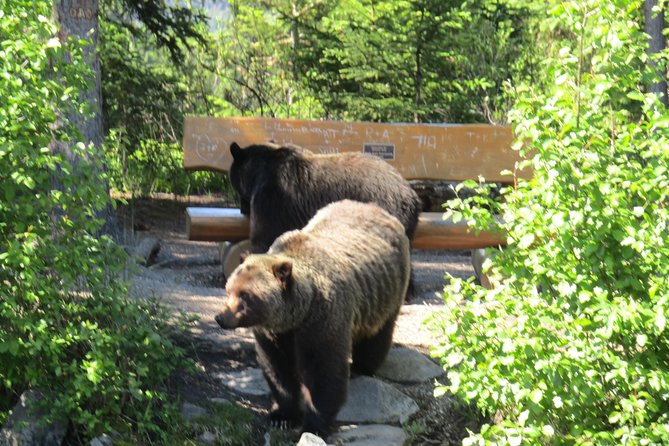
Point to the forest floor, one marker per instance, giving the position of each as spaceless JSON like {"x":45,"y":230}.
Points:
{"x":187,"y":277}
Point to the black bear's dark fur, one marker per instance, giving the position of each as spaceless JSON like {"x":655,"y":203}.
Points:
{"x":281,"y":188}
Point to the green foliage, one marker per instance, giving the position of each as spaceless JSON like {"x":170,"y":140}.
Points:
{"x":230,"y":424}
{"x":424,"y":61}
{"x":155,"y":166}
{"x":143,"y":94}
{"x":254,"y":63}
{"x":65,"y":325}
{"x":145,"y":100}
{"x":174,"y":26}
{"x":421,"y":61}
{"x":571,"y":345}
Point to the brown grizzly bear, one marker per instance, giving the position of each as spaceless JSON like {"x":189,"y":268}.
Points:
{"x":319,"y":297}
{"x":282,"y":187}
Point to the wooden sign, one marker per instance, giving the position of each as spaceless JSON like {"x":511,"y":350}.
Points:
{"x":418,"y":151}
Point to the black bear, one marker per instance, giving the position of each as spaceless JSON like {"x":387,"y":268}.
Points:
{"x":281,"y":187}
{"x":319,"y":297}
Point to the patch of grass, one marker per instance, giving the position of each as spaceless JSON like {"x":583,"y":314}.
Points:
{"x":230,"y":424}
{"x":280,"y":437}
{"x":414,"y":429}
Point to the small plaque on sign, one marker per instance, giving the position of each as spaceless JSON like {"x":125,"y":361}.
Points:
{"x":383,"y":151}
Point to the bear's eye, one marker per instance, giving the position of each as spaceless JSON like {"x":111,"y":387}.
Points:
{"x":243,"y":295}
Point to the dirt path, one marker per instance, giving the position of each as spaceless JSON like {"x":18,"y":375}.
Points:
{"x":186,"y":276}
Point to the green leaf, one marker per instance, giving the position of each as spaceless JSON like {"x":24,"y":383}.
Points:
{"x":660,"y":321}
{"x":635,"y":95}
{"x":536,"y":396}
{"x":440,"y":391}
{"x":526,"y":241}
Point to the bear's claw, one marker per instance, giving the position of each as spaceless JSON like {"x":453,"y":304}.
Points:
{"x":280,"y":424}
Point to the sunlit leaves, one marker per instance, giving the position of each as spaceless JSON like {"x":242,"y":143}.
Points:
{"x":66,"y":327}
{"x":571,"y":346}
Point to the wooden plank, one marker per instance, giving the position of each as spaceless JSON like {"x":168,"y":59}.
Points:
{"x":418,"y":151}
{"x":433,"y":232}
{"x":216,"y":224}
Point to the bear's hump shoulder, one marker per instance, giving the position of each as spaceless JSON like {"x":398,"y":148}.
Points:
{"x":290,"y":241}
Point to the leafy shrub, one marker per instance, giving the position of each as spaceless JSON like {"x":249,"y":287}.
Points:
{"x":571,"y":344}
{"x":66,"y":326}
{"x":155,"y":166}
{"x":146,"y":97}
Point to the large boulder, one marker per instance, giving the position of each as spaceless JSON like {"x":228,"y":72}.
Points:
{"x":408,"y":366}
{"x":26,"y":427}
{"x":375,"y":402}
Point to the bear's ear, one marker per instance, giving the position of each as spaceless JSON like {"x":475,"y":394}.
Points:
{"x":283,"y":270}
{"x":235,"y":150}
{"x":243,"y":256}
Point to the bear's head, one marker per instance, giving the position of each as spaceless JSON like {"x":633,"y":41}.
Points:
{"x":239,"y":175}
{"x":248,"y":169}
{"x":254,"y":165}
{"x":259,"y":293}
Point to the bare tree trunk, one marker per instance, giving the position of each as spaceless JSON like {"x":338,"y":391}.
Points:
{"x":295,"y":39}
{"x":78,"y":20}
{"x":418,"y":83}
{"x":418,"y":75}
{"x":654,"y":24}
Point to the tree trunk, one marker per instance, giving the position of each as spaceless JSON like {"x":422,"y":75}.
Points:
{"x":295,"y":39}
{"x":654,"y":24}
{"x":78,"y":20}
{"x":418,"y":84}
{"x":418,"y":75}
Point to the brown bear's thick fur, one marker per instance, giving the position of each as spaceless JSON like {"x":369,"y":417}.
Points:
{"x":319,"y":297}
{"x":282,"y":187}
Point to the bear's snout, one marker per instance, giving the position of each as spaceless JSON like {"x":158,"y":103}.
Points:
{"x":225,"y":320}
{"x":232,"y":314}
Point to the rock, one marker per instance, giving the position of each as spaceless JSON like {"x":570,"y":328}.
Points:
{"x":207,"y":438}
{"x":373,"y":401}
{"x":23,"y":428}
{"x":308,"y":439}
{"x":221,"y":401}
{"x":146,"y":250}
{"x":249,"y":382}
{"x":231,"y":255}
{"x":478,"y":257}
{"x":407,"y":365}
{"x":370,"y":435}
{"x":102,"y":440}
{"x":238,"y":341}
{"x":190,"y":411}
{"x":434,"y":193}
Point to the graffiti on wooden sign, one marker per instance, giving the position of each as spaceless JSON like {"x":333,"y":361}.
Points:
{"x":82,"y":10}
{"x":209,"y":149}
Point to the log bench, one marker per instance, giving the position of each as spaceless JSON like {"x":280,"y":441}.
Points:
{"x":418,"y":151}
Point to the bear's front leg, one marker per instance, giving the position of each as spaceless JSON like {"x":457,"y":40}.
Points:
{"x":370,"y":352}
{"x":276,"y":356}
{"x":324,"y":369}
